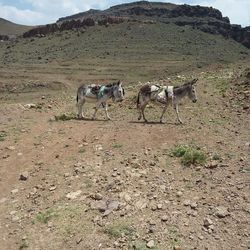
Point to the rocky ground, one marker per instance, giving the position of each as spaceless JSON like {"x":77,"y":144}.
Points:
{"x":81,"y":184}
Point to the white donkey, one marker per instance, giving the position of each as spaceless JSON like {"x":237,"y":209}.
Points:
{"x":99,"y":94}
{"x":164,"y":95}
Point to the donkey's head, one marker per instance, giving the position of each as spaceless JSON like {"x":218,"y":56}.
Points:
{"x":192,"y":92}
{"x":118,"y":92}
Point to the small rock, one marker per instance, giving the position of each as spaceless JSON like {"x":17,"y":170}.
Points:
{"x":30,"y":105}
{"x":179,"y":194}
{"x":151,"y":244}
{"x":177,"y":248}
{"x":66,"y":175}
{"x":187,"y":203}
{"x":14,"y":191}
{"x":98,"y":196}
{"x":73,"y":195}
{"x":193,"y":205}
{"x":11,"y":148}
{"x":212,"y":165}
{"x":159,"y":206}
{"x":221,"y":212}
{"x":164,"y":218}
{"x":207,"y":222}
{"x":52,"y":188}
{"x":24,"y":176}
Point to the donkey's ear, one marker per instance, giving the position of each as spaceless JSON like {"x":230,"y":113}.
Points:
{"x":194,"y":81}
{"x":119,"y":83}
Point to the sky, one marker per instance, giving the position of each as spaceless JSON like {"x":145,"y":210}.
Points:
{"x":35,"y":12}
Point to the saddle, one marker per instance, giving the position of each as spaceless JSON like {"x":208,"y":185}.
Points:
{"x":95,"y":89}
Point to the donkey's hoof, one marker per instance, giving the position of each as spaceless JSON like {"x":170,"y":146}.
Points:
{"x":146,"y":121}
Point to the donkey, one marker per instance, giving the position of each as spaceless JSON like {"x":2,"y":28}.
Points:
{"x":99,"y":94}
{"x":164,"y":95}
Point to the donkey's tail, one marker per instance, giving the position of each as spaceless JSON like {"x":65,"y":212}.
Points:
{"x":138,"y":100}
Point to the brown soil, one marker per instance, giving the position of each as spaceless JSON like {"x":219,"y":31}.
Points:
{"x":178,"y":207}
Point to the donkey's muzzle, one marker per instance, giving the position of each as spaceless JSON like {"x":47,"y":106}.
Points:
{"x":194,"y":101}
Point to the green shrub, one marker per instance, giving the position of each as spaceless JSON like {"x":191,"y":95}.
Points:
{"x":189,"y":155}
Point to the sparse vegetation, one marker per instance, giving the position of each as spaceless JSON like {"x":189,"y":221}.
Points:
{"x":82,"y":150}
{"x":189,"y":155}
{"x":2,"y":136}
{"x":45,"y":216}
{"x":119,"y":230}
{"x":117,"y":145}
{"x":64,"y":117}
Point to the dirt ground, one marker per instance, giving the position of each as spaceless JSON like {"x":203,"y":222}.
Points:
{"x":82,"y":184}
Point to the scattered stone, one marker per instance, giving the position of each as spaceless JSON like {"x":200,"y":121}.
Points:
{"x":24,"y":176}
{"x":193,"y":205}
{"x":159,"y":206}
{"x":14,"y":191}
{"x":212,"y":165}
{"x":207,"y":222}
{"x":105,"y":205}
{"x":52,"y":188}
{"x":11,"y":148}
{"x":221,"y":212}
{"x":66,"y":175}
{"x":141,"y":204}
{"x":30,"y":105}
{"x":164,"y":218}
{"x":187,"y":203}
{"x":98,"y":196}
{"x":151,"y":244}
{"x":179,"y":194}
{"x":73,"y":195}
{"x":177,"y":248}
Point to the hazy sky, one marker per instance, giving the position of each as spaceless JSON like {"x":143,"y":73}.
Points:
{"x":34,"y":12}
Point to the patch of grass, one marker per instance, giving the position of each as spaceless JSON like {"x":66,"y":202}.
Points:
{"x":138,"y":245}
{"x":119,"y":230}
{"x":174,"y":235}
{"x":64,"y":117}
{"x":216,"y":157}
{"x":44,"y":217}
{"x":117,"y":145}
{"x":189,"y":155}
{"x":24,"y":244}
{"x":82,"y":150}
{"x":2,"y":136}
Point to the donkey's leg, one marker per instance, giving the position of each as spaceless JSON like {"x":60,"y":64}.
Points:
{"x":139,"y":107}
{"x":96,"y":108}
{"x":106,"y":111}
{"x":80,"y":104}
{"x":163,"y":112}
{"x":142,"y":110}
{"x":177,"y":112}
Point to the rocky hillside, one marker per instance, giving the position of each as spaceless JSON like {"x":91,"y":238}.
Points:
{"x":206,"y":19}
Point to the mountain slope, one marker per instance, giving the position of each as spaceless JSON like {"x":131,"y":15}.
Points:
{"x":130,"y":51}
{"x":206,"y":19}
{"x":9,"y":28}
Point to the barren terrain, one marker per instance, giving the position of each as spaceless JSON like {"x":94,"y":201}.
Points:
{"x":82,"y":184}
